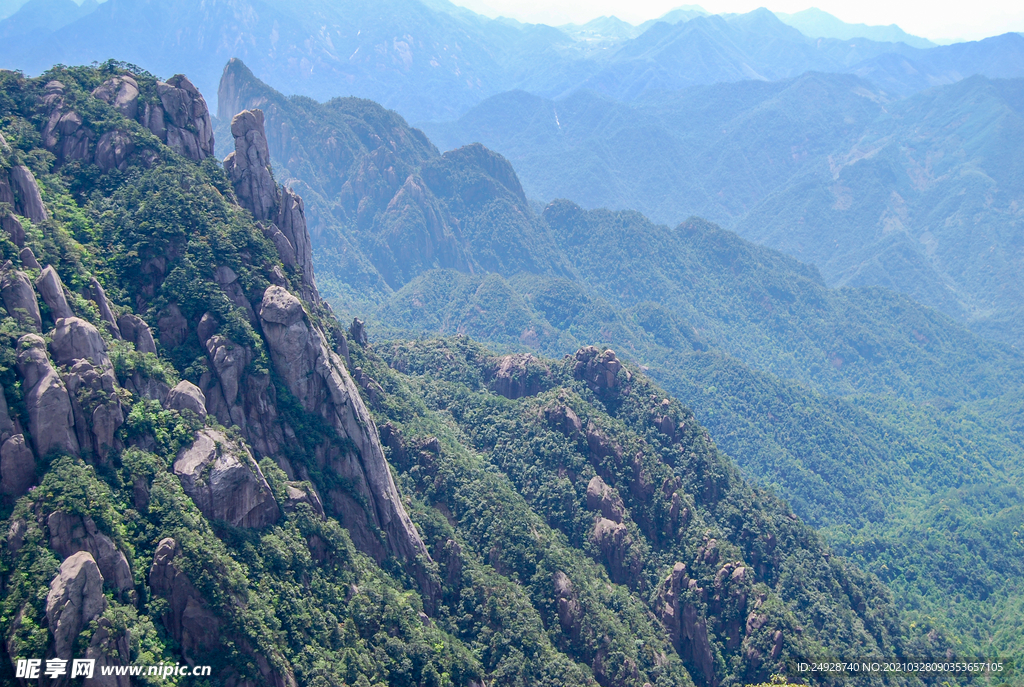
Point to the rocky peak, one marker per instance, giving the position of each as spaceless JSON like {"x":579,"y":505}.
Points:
{"x":280,"y":210}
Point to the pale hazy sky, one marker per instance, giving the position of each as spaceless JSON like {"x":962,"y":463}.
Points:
{"x":936,"y":19}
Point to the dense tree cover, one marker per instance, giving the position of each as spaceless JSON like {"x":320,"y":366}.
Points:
{"x":857,"y":405}
{"x":528,"y":589}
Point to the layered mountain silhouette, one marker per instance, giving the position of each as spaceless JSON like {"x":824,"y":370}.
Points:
{"x":435,"y":61}
{"x":825,"y":393}
{"x":918,"y":195}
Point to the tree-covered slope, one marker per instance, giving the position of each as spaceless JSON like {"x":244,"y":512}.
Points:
{"x":915,"y":195}
{"x":861,"y":407}
{"x":199,"y":466}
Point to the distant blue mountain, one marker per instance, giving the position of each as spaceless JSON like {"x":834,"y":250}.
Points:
{"x":817,"y":23}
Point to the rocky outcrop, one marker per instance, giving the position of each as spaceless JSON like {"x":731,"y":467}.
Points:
{"x":71,"y":533}
{"x":224,"y":481}
{"x":75,"y":339}
{"x":28,"y":202}
{"x":281,"y":210}
{"x":134,"y":329}
{"x":316,"y":376}
{"x":28,"y":259}
{"x":10,"y":224}
{"x":121,"y":92}
{"x":600,"y":370}
{"x":17,"y":467}
{"x":603,"y":498}
{"x":51,"y":420}
{"x":187,"y":396}
{"x":188,"y":618}
{"x":51,"y":288}
{"x":113,"y":150}
{"x":678,"y":607}
{"x":99,"y":296}
{"x":20,"y":298}
{"x":188,"y":129}
{"x":517,"y":376}
{"x":303,"y":492}
{"x":194,"y":626}
{"x":96,"y":406}
{"x":617,"y":550}
{"x":563,"y":419}
{"x":75,"y":600}
{"x":570,"y":614}
{"x":108,"y":647}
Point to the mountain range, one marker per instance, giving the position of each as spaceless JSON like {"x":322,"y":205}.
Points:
{"x":858,"y":405}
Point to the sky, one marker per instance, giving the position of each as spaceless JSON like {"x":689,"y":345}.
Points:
{"x":935,"y":19}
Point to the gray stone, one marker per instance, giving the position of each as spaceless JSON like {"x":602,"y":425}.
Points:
{"x":601,"y":497}
{"x":172,"y":326}
{"x":10,"y":224}
{"x":113,"y":150}
{"x":187,"y":618}
{"x":249,"y":166}
{"x":302,"y":492}
{"x":6,"y":423}
{"x":224,"y":481}
{"x":109,"y":648}
{"x":122,"y":92}
{"x":100,"y":297}
{"x":51,"y":288}
{"x":187,"y":396}
{"x":133,"y":328}
{"x":76,"y":339}
{"x":96,"y":405}
{"x":190,"y":131}
{"x":17,"y":467}
{"x":75,"y":600}
{"x":50,"y":417}
{"x":28,"y":259}
{"x":20,"y":299}
{"x":30,"y":201}
{"x":70,"y":533}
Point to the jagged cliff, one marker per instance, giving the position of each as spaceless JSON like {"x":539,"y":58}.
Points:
{"x":199,"y":466}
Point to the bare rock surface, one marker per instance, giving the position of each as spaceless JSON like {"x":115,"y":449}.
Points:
{"x":20,"y":298}
{"x":133,"y":328}
{"x":10,"y":224}
{"x":122,"y":92}
{"x":599,"y":369}
{"x":29,"y":200}
{"x":75,"y":600}
{"x":96,"y":406}
{"x":17,"y":467}
{"x":190,"y":130}
{"x":187,"y":396}
{"x":188,"y":619}
{"x":297,"y":348}
{"x":50,"y":417}
{"x":603,"y":498}
{"x":70,"y":533}
{"x":517,"y":376}
{"x":51,"y":288}
{"x":224,"y":481}
{"x":678,"y":606}
{"x":76,"y":339}
{"x":100,"y":297}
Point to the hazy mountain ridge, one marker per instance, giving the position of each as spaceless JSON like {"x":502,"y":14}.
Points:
{"x":742,"y":332}
{"x":208,"y":470}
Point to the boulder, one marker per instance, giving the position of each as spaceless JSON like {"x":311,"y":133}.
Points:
{"x":29,"y":200}
{"x":678,"y":606}
{"x":617,"y":551}
{"x":357,"y":332}
{"x":188,"y":619}
{"x":133,"y":328}
{"x":190,"y":130}
{"x":28,"y":259}
{"x":113,"y":150}
{"x":20,"y":299}
{"x":563,"y":419}
{"x":100,"y":298}
{"x":302,"y":492}
{"x":17,"y":467}
{"x":172,"y":326}
{"x":187,"y":396}
{"x":248,"y":166}
{"x":517,"y":376}
{"x":70,"y":533}
{"x":10,"y":224}
{"x":318,"y":379}
{"x":96,"y":406}
{"x":109,"y":648}
{"x":121,"y":92}
{"x":75,"y":339}
{"x":224,"y":481}
{"x":75,"y":600}
{"x":50,"y":417}
{"x":51,"y":288}
{"x":229,"y":360}
{"x":599,"y":369}
{"x":569,"y":611}
{"x":603,"y":498}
